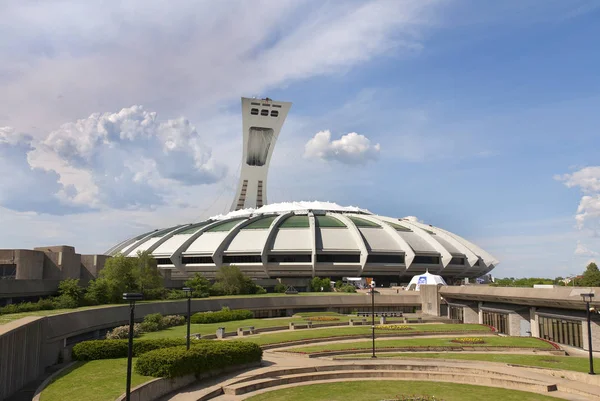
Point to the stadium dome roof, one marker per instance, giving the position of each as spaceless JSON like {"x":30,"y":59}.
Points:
{"x":306,"y":239}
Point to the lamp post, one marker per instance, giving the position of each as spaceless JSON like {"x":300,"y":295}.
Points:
{"x":188,"y":293}
{"x":373,"y":316}
{"x":587,"y":298}
{"x":131,"y":297}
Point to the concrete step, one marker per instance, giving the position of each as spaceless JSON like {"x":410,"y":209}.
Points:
{"x":498,"y":380}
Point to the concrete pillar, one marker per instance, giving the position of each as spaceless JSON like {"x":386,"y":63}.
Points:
{"x":533,"y":320}
{"x":470,"y":314}
{"x":430,"y":299}
{"x":382,"y":320}
{"x":480,"y":313}
{"x":221,"y":332}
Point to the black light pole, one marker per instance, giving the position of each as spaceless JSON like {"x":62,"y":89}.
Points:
{"x":587,"y":298}
{"x":373,"y":316}
{"x":188,"y":292}
{"x":131,"y":297}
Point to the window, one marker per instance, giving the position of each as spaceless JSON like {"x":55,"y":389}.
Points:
{"x":259,"y":224}
{"x":457,"y":261}
{"x":254,"y":112}
{"x":290,"y":258}
{"x":197,"y":259}
{"x":242,"y":259}
{"x":264,"y":112}
{"x":562,"y":331}
{"x":274,"y":113}
{"x":255,"y":104}
{"x":8,"y":271}
{"x":456,"y":313}
{"x":225,"y":226}
{"x":426,"y":260}
{"x":295,"y":222}
{"x":358,"y":222}
{"x":163,"y":261}
{"x":277,"y":105}
{"x":332,"y":258}
{"x":497,"y":320}
{"x":329,"y":222}
{"x":259,"y":142}
{"x":396,"y":259}
{"x":266,"y":104}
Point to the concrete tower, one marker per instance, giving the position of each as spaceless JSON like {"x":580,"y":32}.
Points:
{"x":262,"y":120}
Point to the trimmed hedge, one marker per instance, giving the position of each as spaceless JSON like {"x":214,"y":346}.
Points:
{"x":110,"y":349}
{"x":202,"y":357}
{"x":224,"y":315}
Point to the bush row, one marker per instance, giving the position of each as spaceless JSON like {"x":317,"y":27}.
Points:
{"x":110,"y":349}
{"x":202,"y":357}
{"x":224,"y":315}
{"x":152,"y":322}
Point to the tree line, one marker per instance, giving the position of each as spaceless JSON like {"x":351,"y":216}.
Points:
{"x":589,"y":278}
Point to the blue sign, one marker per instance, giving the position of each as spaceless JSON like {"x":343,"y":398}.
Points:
{"x":422,"y":280}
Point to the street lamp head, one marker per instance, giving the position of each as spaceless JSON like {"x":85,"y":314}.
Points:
{"x":132,"y":296}
{"x":373,"y":284}
{"x":188,"y":291}
{"x":587,"y":297}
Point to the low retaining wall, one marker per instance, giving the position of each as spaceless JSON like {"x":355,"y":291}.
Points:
{"x":414,"y":349}
{"x":157,"y":388}
{"x":359,"y":336}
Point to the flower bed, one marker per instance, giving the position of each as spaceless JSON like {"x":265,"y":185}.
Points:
{"x":394,"y":327}
{"x":468,"y":340}
{"x":321,"y":318}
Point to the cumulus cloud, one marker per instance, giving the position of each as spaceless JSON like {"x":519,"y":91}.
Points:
{"x":351,"y":148}
{"x":128,"y":159}
{"x":582,"y":250}
{"x":587,"y":180}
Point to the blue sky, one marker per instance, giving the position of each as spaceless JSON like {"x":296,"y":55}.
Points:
{"x":114,"y":121}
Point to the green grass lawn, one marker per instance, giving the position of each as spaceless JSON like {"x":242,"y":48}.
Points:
{"x":211,"y":328}
{"x":576,"y":364}
{"x":305,"y":334}
{"x":388,"y":389}
{"x":102,"y":380}
{"x":426,"y":342}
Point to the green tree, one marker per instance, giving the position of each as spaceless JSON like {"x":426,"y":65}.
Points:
{"x":131,"y":274}
{"x":148,"y":276}
{"x":318,"y":284}
{"x":98,"y":292}
{"x":200,"y":286}
{"x":591,"y":276}
{"x":231,"y":281}
{"x":70,"y":288}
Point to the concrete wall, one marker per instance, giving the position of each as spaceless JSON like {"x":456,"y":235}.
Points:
{"x":20,"y":350}
{"x":19,"y":288}
{"x":61,"y":262}
{"x":91,"y":265}
{"x":430,"y":299}
{"x":30,"y":264}
{"x":471,"y":314}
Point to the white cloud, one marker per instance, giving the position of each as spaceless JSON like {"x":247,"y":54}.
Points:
{"x":582,"y":250}
{"x":351,"y":148}
{"x":123,"y":160}
{"x":196,"y":56}
{"x":587,"y":180}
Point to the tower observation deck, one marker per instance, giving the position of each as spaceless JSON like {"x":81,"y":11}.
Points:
{"x":262,"y":120}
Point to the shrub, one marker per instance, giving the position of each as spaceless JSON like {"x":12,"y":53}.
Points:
{"x":392,"y":327}
{"x":202,"y":357}
{"x":279,"y":288}
{"x":224,"y":315}
{"x":123,"y":332}
{"x":321,"y":318}
{"x":70,"y":288}
{"x":173,"y":320}
{"x":200,"y":286}
{"x":110,"y":349}
{"x":155,"y":318}
{"x":149,"y":327}
{"x":154,"y":293}
{"x":469,"y":340}
{"x":65,"y":301}
{"x":98,"y":292}
{"x":260,"y":290}
{"x":176,"y":294}
{"x":347,"y":288}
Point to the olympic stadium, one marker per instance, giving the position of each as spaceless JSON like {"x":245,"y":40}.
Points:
{"x":303,"y":239}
